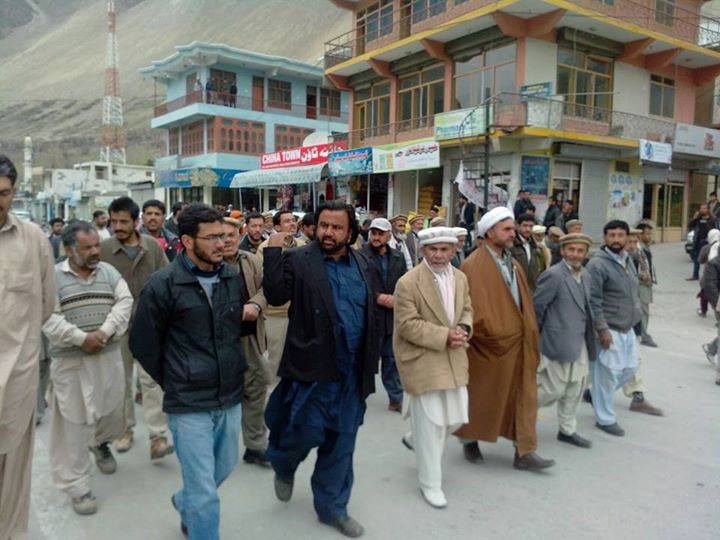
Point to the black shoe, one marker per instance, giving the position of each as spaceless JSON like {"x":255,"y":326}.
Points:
{"x":612,"y":429}
{"x":472,"y":452}
{"x":531,"y":462}
{"x":407,"y":443}
{"x":346,"y":525}
{"x":710,"y":357}
{"x":256,"y":457}
{"x":587,"y":396}
{"x":648,"y":341}
{"x":183,"y":527}
{"x":691,"y":279}
{"x":574,"y":439}
{"x":104,"y":459}
{"x":284,"y":488}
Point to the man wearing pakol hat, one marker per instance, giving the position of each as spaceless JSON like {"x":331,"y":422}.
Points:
{"x":552,"y":242}
{"x":544,"y":254}
{"x":398,"y":238}
{"x":461,"y":234}
{"x":392,"y":266}
{"x":567,"y":335}
{"x":504,"y":349}
{"x":437,"y":222}
{"x":433,"y":321}
{"x":417,"y":223}
{"x":574,"y":226}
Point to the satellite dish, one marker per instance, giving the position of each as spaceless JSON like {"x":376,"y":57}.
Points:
{"x":317,"y":137}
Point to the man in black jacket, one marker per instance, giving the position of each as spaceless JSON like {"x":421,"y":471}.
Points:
{"x":392,"y":266}
{"x":711,"y":286}
{"x":329,"y":361}
{"x":186,"y":335}
{"x":702,"y":223}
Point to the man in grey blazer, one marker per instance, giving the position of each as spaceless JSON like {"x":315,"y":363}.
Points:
{"x":567,"y":338}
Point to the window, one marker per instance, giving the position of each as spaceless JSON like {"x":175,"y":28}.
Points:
{"x":566,"y":182}
{"x":290,"y":136}
{"x":192,"y":139}
{"x":329,"y":102}
{"x":485,"y":75}
{"x":586,"y":82}
{"x":237,"y":136}
{"x":665,"y":12}
{"x":372,"y":110}
{"x":223,"y":80}
{"x":279,"y":94}
{"x":420,"y":96}
{"x":662,"y":96}
{"x":376,"y":21}
{"x":422,"y":9}
{"x":173,"y":141}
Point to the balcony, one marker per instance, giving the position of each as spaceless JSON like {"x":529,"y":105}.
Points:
{"x":232,"y":101}
{"x":387,"y":27}
{"x":405,"y":130}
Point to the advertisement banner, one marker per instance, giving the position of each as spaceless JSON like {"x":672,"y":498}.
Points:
{"x":535,"y":174}
{"x":697,"y":140}
{"x":449,"y":124}
{"x":423,"y":154}
{"x":655,"y":151}
{"x":349,"y":162}
{"x":297,"y":157}
{"x":537,"y":90}
{"x":196,"y":177}
{"x":626,"y":197}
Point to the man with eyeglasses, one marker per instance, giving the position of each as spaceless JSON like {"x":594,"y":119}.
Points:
{"x":187,"y":336}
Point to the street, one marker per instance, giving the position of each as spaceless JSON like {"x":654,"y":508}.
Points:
{"x":661,"y":481}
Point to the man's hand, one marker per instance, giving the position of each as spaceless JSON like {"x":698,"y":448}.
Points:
{"x":281,"y":240}
{"x":386,"y":301}
{"x":456,"y":337}
{"x":250,"y":312}
{"x":606,"y":339}
{"x":94,"y":342}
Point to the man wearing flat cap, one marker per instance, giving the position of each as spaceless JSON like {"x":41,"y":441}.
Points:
{"x":392,"y":266}
{"x":504,"y":349}
{"x":567,"y":335}
{"x":433,"y":320}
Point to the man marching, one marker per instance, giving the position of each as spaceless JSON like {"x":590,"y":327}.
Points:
{"x":433,"y":320}
{"x":504,"y":349}
{"x":567,"y":338}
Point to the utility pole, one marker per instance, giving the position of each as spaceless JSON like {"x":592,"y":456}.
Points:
{"x":486,"y":190}
{"x":112,"y":133}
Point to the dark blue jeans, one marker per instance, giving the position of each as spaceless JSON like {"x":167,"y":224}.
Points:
{"x":390,"y":376}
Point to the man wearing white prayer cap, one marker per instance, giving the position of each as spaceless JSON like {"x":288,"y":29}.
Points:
{"x":461,"y":234}
{"x":433,"y":320}
{"x":538,"y":232}
{"x":504,"y":350}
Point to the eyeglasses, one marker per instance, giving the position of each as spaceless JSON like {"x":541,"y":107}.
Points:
{"x":213,"y":237}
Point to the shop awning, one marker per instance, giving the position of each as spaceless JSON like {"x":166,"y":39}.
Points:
{"x":308,"y":174}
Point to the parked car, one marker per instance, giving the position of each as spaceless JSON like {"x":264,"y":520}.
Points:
{"x":689,"y":241}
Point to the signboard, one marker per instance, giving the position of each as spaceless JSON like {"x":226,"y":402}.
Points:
{"x":196,"y":177}
{"x":626,"y":197}
{"x":538,"y":90}
{"x":697,"y":140}
{"x":422,"y":154}
{"x":472,"y":186}
{"x":716,"y":103}
{"x":448,"y":124}
{"x":535,"y":174}
{"x":297,"y":157}
{"x":65,"y":181}
{"x":309,"y":174}
{"x":349,"y":162}
{"x":655,"y":151}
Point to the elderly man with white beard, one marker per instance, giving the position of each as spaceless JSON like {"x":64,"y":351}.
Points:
{"x":433,"y":321}
{"x":91,"y":313}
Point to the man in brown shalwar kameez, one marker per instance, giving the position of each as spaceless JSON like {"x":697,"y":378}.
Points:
{"x":504,"y":348}
{"x":27,"y":298}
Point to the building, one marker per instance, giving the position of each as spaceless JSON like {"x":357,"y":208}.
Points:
{"x":225,"y":107}
{"x":589,"y":100}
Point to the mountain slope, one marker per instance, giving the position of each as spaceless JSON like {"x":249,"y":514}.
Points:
{"x":53,"y":65}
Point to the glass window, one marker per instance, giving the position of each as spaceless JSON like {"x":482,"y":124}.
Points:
{"x":662,"y":96}
{"x":665,"y":12}
{"x":279,"y":94}
{"x":587,"y":84}
{"x":485,"y":75}
{"x":421,"y":95}
{"x":329,"y":102}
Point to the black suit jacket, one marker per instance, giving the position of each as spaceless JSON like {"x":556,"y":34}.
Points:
{"x":298,"y":276}
{"x":396,"y":268}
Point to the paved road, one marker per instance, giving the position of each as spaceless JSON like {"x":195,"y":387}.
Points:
{"x":662,"y":481}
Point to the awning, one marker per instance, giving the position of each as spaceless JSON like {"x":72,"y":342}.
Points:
{"x":308,"y":174}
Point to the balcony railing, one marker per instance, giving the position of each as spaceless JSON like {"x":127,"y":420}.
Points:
{"x":225,"y":99}
{"x":390,"y":26}
{"x":413,"y":128}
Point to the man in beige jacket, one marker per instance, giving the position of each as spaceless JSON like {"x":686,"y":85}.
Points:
{"x":433,"y":321}
{"x":27,"y":298}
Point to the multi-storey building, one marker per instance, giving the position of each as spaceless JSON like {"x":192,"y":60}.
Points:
{"x":225,"y":107}
{"x":573,"y":87}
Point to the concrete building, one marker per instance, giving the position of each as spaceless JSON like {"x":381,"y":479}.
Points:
{"x":591,"y":100}
{"x":225,"y":107}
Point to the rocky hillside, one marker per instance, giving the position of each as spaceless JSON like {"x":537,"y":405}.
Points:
{"x":52,"y":59}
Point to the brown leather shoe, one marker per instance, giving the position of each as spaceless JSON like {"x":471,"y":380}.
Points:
{"x":532,"y":462}
{"x":644,"y":407}
{"x":472,"y":452}
{"x":124,"y":443}
{"x":395,"y":407}
{"x":160,"y":448}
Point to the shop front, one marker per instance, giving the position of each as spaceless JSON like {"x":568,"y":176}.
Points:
{"x":199,"y":184}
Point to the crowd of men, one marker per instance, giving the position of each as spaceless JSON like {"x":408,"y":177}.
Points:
{"x":262,"y":326}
